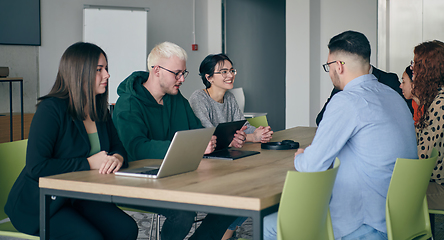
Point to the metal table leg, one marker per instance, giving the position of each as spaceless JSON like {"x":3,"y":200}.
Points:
{"x":44,"y":218}
{"x":10,"y":112}
{"x":21,"y":106}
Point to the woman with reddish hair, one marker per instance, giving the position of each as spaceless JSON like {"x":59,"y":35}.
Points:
{"x":428,"y":83}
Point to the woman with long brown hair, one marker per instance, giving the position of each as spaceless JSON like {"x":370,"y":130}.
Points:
{"x":72,"y":131}
{"x":428,"y":88}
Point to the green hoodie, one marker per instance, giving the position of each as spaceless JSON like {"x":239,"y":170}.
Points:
{"x":145,"y":127}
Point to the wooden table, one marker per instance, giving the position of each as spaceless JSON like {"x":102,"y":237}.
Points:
{"x":249,"y":187}
{"x":11,"y":80}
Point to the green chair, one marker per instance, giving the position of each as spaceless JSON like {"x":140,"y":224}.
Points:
{"x":258,"y":121}
{"x":406,"y":211}
{"x":304,"y":207}
{"x":12,"y":161}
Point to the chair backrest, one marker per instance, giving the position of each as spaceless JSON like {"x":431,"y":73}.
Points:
{"x":304,"y":207}
{"x":258,"y":121}
{"x":406,"y":212}
{"x":240,"y":97}
{"x":12,"y":161}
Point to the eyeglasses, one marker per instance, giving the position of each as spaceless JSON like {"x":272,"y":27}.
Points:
{"x":224,"y":72}
{"x":327,"y":67}
{"x":412,"y":63}
{"x":178,"y":74}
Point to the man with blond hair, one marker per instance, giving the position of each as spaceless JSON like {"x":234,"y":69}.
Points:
{"x":149,"y":111}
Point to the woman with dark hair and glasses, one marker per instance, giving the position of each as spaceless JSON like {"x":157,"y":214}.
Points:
{"x":215,"y":104}
{"x":72,"y":131}
{"x":428,"y":83}
{"x":406,"y":87}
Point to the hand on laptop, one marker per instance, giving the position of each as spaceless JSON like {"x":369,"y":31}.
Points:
{"x":239,"y":138}
{"x":211,"y":145}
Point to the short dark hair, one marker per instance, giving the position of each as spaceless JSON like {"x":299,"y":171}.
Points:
{"x":76,"y":81}
{"x":208,"y":65}
{"x":409,"y":72}
{"x":351,"y":42}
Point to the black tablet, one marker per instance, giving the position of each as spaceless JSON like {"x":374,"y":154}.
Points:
{"x":225,"y":133}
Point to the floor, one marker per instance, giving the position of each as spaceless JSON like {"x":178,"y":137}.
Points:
{"x":245,"y":231}
{"x":144,"y":222}
{"x":439,"y":227}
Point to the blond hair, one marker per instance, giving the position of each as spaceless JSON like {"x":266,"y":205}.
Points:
{"x":165,"y":50}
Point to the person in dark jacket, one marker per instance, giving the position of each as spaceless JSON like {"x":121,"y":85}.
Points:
{"x":72,"y":131}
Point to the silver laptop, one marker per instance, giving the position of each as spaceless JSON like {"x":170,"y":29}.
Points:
{"x":184,"y":155}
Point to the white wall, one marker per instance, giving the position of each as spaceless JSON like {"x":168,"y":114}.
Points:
{"x":335,"y":17}
{"x":407,"y":24}
{"x":214,"y":16}
{"x":298,"y":64}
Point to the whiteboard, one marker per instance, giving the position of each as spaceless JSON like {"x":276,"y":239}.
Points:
{"x":122,"y":34}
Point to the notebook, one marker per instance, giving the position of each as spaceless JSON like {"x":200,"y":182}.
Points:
{"x":225,"y":134}
{"x":183,"y":155}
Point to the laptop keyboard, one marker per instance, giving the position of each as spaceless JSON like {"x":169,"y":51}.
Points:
{"x":151,"y":172}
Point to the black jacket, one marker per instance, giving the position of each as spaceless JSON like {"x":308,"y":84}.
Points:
{"x":56,"y":144}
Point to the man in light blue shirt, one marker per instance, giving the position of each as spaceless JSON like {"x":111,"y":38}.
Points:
{"x":365,"y":133}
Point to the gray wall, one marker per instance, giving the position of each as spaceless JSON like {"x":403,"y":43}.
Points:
{"x":255,"y":42}
{"x":22,"y":62}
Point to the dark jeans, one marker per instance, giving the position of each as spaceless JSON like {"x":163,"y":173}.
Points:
{"x":213,"y":227}
{"x":178,"y":224}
